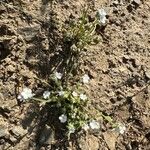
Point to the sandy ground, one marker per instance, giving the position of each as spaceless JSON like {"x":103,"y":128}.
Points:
{"x":119,"y":68}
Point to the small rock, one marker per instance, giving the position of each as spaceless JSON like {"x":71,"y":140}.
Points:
{"x":147,"y":74}
{"x":93,"y":143}
{"x":45,"y":44}
{"x":116,"y":2}
{"x":138,"y":62}
{"x":90,"y":143}
{"x":123,"y":70}
{"x":11,"y":68}
{"x":2,"y":141}
{"x":92,"y":74}
{"x":110,"y":139}
{"x":137,"y":2}
{"x":12,"y":139}
{"x":18,"y":131}
{"x":7,"y":60}
{"x":29,"y":32}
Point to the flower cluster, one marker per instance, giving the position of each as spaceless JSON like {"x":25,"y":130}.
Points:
{"x":83,"y":97}
{"x":58,"y":75}
{"x":72,"y":115}
{"x":46,"y":94}
{"x":102,"y":15}
{"x":74,"y":94}
{"x":93,"y":124}
{"x":120,"y":128}
{"x":86,"y":79}
{"x":25,"y":94}
{"x":63,"y":118}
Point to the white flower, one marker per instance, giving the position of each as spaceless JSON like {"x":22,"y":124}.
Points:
{"x":102,"y":15}
{"x":121,"y":128}
{"x":74,"y":94}
{"x":74,"y":115}
{"x":58,"y":75}
{"x":94,"y":125}
{"x":46,"y":94}
{"x":63,"y":118}
{"x":61,"y":93}
{"x":25,"y":94}
{"x":71,"y":130}
{"x":83,"y":97}
{"x":86,"y":78}
{"x":86,"y":127}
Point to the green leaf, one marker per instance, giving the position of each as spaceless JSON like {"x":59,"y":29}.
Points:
{"x":108,"y":118}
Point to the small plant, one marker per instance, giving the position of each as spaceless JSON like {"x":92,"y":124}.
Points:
{"x":77,"y":37}
{"x":68,"y":96}
{"x":81,"y":33}
{"x":71,"y":101}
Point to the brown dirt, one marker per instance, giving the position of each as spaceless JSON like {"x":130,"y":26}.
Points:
{"x":30,"y":33}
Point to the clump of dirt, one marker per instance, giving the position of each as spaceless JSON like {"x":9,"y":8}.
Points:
{"x":119,"y":68}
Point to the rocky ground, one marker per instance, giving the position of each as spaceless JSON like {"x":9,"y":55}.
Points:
{"x":119,"y":68}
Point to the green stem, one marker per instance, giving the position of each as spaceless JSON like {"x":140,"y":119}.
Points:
{"x":41,"y":100}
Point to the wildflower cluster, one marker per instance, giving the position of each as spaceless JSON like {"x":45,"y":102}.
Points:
{"x":71,"y":102}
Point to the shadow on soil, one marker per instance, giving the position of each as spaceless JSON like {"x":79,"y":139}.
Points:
{"x":45,"y":129}
{"x":49,"y":47}
{"x":46,"y":52}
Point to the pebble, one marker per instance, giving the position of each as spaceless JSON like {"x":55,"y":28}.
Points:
{"x":138,"y":2}
{"x":147,"y":74}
